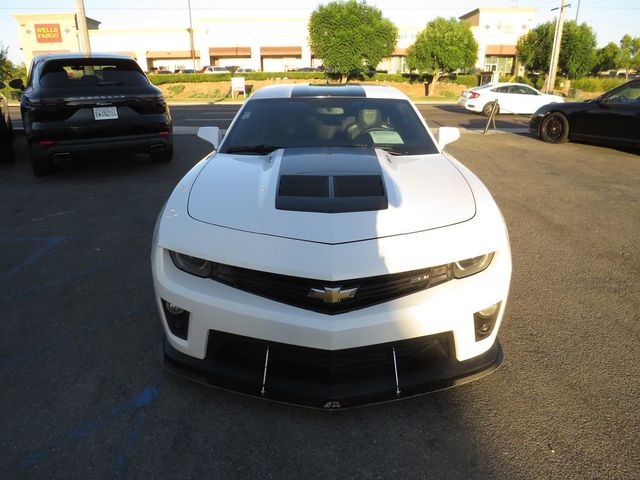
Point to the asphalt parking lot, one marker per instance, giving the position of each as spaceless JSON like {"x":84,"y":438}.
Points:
{"x":84,"y":393}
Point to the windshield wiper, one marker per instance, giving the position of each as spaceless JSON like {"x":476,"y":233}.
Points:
{"x":261,"y":149}
{"x":102,"y":84}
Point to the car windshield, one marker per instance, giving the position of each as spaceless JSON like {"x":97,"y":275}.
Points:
{"x":88,"y":73}
{"x":268,"y":124}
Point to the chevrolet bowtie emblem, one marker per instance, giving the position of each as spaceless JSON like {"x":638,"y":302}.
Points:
{"x":332,"y":294}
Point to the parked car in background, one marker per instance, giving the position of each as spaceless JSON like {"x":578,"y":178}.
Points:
{"x":6,"y":130}
{"x":75,"y":104}
{"x":511,"y":98}
{"x":214,"y":70}
{"x":186,"y":70}
{"x":329,"y":253}
{"x":163,"y":72}
{"x":612,"y":118}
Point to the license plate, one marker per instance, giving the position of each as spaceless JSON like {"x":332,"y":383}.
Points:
{"x":105,"y":113}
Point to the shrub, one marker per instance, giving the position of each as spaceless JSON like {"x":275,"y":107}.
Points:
{"x":209,"y":94}
{"x":467,"y":80}
{"x":523,"y":79}
{"x":592,"y":84}
{"x":175,"y":89}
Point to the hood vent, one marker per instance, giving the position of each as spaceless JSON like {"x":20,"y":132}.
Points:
{"x":331,"y":194}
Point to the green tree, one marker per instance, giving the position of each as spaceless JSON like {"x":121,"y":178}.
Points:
{"x":6,"y":67}
{"x":577,"y":50}
{"x":350,"y":36}
{"x":629,"y":57}
{"x":443,"y":46}
{"x":607,"y":58}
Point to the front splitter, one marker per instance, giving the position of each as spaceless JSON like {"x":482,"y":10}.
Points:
{"x":297,"y":377}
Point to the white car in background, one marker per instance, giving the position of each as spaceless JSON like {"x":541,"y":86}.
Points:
{"x":330,"y":253}
{"x":511,"y":98}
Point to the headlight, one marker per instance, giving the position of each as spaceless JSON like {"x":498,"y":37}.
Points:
{"x":193,"y":265}
{"x":471,"y":266}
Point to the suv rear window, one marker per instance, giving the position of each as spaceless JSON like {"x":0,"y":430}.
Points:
{"x":78,"y":74}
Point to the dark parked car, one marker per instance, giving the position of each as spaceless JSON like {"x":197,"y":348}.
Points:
{"x":6,"y":132}
{"x":612,"y":118}
{"x":75,"y":104}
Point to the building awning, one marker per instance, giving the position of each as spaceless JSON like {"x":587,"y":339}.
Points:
{"x":171,"y":54}
{"x":400,"y":52}
{"x":506,"y":50}
{"x":230,"y":52}
{"x":281,"y":51}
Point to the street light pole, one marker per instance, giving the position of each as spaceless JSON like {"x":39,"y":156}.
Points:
{"x":82,"y":27}
{"x":193,"y":52}
{"x":555,"y":53}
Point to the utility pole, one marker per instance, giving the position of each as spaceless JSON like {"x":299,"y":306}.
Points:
{"x":85,"y":44}
{"x":193,"y":52}
{"x":577,"y":11}
{"x":555,"y":53}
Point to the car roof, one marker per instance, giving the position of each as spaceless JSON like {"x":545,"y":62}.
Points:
{"x":76,"y":56}
{"x":308,"y":90}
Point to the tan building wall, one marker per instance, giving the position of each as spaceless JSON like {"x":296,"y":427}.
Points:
{"x":497,"y":31}
{"x":269,"y":44}
{"x":50,"y":33}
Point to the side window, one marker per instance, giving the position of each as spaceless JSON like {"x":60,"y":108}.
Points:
{"x":527,"y":90}
{"x":629,"y":94}
{"x":502,"y":90}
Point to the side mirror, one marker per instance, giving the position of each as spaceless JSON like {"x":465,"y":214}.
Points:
{"x":17,"y":84}
{"x":447,"y":135}
{"x":211,"y":135}
{"x":2,"y":85}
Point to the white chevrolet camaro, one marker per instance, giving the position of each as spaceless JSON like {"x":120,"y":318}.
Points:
{"x":329,"y":253}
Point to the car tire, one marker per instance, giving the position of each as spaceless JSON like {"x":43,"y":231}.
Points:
{"x":6,"y":148}
{"x":164,"y":156}
{"x":41,"y":165}
{"x":555,"y":128}
{"x":486,"y":110}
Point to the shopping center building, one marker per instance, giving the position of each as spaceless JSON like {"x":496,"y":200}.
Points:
{"x":267,"y":44}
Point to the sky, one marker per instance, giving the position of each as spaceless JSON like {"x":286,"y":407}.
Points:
{"x":610,"y":19}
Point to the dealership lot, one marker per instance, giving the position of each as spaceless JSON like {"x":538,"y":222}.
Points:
{"x":84,"y":391}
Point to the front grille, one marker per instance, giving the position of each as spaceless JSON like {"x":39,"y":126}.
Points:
{"x":315,"y":365}
{"x":295,"y":290}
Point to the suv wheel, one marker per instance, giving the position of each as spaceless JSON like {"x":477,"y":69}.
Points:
{"x":6,"y":149}
{"x":162,"y":157}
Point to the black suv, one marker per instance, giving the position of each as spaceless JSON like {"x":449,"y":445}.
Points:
{"x":75,"y":103}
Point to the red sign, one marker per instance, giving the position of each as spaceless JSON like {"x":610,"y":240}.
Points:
{"x":48,"y":33}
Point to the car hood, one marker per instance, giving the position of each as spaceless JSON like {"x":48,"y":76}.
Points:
{"x":331,"y":195}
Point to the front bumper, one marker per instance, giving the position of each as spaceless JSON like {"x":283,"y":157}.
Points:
{"x":331,"y":379}
{"x":534,"y":124}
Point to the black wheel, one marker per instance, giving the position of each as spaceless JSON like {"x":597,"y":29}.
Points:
{"x":162,"y":157}
{"x":555,"y":128}
{"x":486,"y":110}
{"x":41,"y":165}
{"x":6,"y":148}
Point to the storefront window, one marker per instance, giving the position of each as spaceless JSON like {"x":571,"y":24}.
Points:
{"x":504,"y":65}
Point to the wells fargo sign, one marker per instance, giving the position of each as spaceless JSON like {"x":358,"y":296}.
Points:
{"x":48,"y":32}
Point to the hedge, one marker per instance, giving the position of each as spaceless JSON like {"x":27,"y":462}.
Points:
{"x":320,"y":76}
{"x":225,"y":77}
{"x":593,"y":84}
